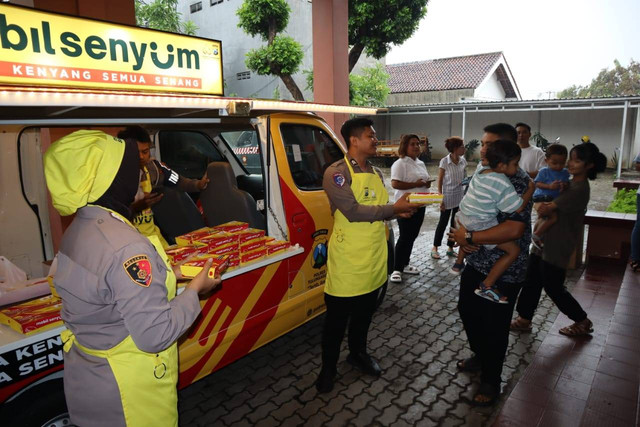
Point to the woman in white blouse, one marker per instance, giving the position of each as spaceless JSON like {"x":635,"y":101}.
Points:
{"x":408,"y":174}
{"x":452,"y":172}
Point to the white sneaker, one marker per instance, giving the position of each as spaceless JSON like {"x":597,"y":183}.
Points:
{"x":410,"y":269}
{"x":396,"y":277}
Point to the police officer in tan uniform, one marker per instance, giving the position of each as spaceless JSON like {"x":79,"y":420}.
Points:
{"x":357,"y":251}
{"x":118,"y":290}
{"x":153,"y":177}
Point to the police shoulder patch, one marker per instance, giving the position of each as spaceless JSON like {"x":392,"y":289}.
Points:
{"x":138,"y":268}
{"x":338,"y":179}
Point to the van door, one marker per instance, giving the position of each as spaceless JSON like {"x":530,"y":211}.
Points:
{"x":304,"y":147}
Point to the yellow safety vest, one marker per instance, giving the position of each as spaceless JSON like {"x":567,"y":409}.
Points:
{"x":147,"y":381}
{"x":357,"y":257}
{"x":144,"y":220}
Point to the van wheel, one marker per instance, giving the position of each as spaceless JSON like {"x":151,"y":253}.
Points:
{"x":41,"y":406}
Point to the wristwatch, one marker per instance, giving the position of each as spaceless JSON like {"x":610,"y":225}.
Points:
{"x":468,"y":236}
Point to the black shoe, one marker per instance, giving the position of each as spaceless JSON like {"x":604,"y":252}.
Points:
{"x":365,"y":363}
{"x":324,"y":383}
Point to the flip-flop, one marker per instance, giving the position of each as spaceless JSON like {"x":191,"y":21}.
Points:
{"x":470,"y":364}
{"x":396,"y":277}
{"x":435,"y":255}
{"x":452,"y":253}
{"x":491,"y":295}
{"x":518,"y":323}
{"x":410,"y":269}
{"x":486,"y":390}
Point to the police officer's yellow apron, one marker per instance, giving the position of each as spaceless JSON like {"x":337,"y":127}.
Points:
{"x":357,"y":259}
{"x":144,"y":220}
{"x":147,"y":381}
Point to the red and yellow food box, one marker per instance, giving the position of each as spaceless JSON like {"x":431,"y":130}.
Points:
{"x":52,"y":287}
{"x":248,"y":257}
{"x":234,"y":260}
{"x":218,"y":240}
{"x":33,"y":316}
{"x":232,"y":226}
{"x":250,"y":234}
{"x":191,"y":269}
{"x":425,"y":198}
{"x":180,"y":253}
{"x":225,"y":250}
{"x":252,"y":245}
{"x":187,"y":239}
{"x":275,"y":246}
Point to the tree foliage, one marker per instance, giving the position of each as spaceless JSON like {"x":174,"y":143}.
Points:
{"x":374,"y":25}
{"x":619,"y":81}
{"x":370,"y":89}
{"x":163,"y":15}
{"x":282,"y":55}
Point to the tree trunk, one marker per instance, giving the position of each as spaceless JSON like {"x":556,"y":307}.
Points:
{"x":354,"y":55}
{"x":292,"y":87}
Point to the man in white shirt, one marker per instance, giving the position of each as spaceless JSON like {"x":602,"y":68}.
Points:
{"x":532,"y":158}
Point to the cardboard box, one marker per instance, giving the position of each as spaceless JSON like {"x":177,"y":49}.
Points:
{"x":232,"y":226}
{"x":187,"y":239}
{"x":250,"y":234}
{"x":248,"y":257}
{"x":225,"y":250}
{"x":218,"y":240}
{"x":276,"y":246}
{"x":33,"y":316}
{"x":425,"y":198}
{"x":191,"y":269}
{"x":252,"y":245}
{"x":180,"y":253}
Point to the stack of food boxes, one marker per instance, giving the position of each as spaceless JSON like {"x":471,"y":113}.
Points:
{"x":229,"y":245}
{"x":33,"y":316}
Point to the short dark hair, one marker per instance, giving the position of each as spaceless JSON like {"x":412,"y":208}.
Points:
{"x":404,"y":143}
{"x":556,"y":150}
{"x":135,"y":133}
{"x":453,"y":143}
{"x":354,"y":127}
{"x":503,"y":130}
{"x":502,"y":151}
{"x":589,"y":153}
{"x":523,"y":124}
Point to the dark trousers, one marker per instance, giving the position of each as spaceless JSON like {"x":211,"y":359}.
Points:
{"x":541,"y":274}
{"x":486,"y":323}
{"x":409,"y":230}
{"x":442,"y":226}
{"x":357,"y":311}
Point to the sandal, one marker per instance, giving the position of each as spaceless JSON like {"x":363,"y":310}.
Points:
{"x":435,"y":254}
{"x":488,"y":392}
{"x":491,"y":294}
{"x":410,"y":269}
{"x":635,"y":265}
{"x":470,"y":364}
{"x":396,"y":277}
{"x":584,"y":327}
{"x":521,"y":324}
{"x":452,"y":253}
{"x":456,"y":269}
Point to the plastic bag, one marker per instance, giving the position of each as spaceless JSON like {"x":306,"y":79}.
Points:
{"x":10,"y":273}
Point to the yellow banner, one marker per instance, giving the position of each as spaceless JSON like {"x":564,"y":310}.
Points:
{"x":41,"y":48}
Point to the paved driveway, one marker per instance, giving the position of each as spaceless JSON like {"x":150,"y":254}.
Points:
{"x":417,"y":337}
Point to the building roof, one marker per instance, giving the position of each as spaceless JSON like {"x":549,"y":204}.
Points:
{"x":461,"y":72}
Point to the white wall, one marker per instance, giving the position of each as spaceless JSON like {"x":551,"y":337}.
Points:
{"x":603,"y":127}
{"x":490,"y":89}
{"x":221,"y":23}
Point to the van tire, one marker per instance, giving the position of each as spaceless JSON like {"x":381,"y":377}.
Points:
{"x":42,"y":406}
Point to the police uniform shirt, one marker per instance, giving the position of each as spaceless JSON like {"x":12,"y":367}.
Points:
{"x":337,"y":183}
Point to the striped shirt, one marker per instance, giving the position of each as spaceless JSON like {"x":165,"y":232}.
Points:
{"x":488,"y":194}
{"x":452,"y":190}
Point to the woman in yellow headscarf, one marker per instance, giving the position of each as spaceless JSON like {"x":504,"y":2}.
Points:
{"x":118,"y":290}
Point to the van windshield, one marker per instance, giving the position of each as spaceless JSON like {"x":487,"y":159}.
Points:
{"x":244,"y":145}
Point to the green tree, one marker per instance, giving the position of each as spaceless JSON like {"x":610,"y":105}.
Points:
{"x":619,"y":81}
{"x":370,"y":89}
{"x":163,"y":15}
{"x":282,"y":55}
{"x":374,"y":25}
